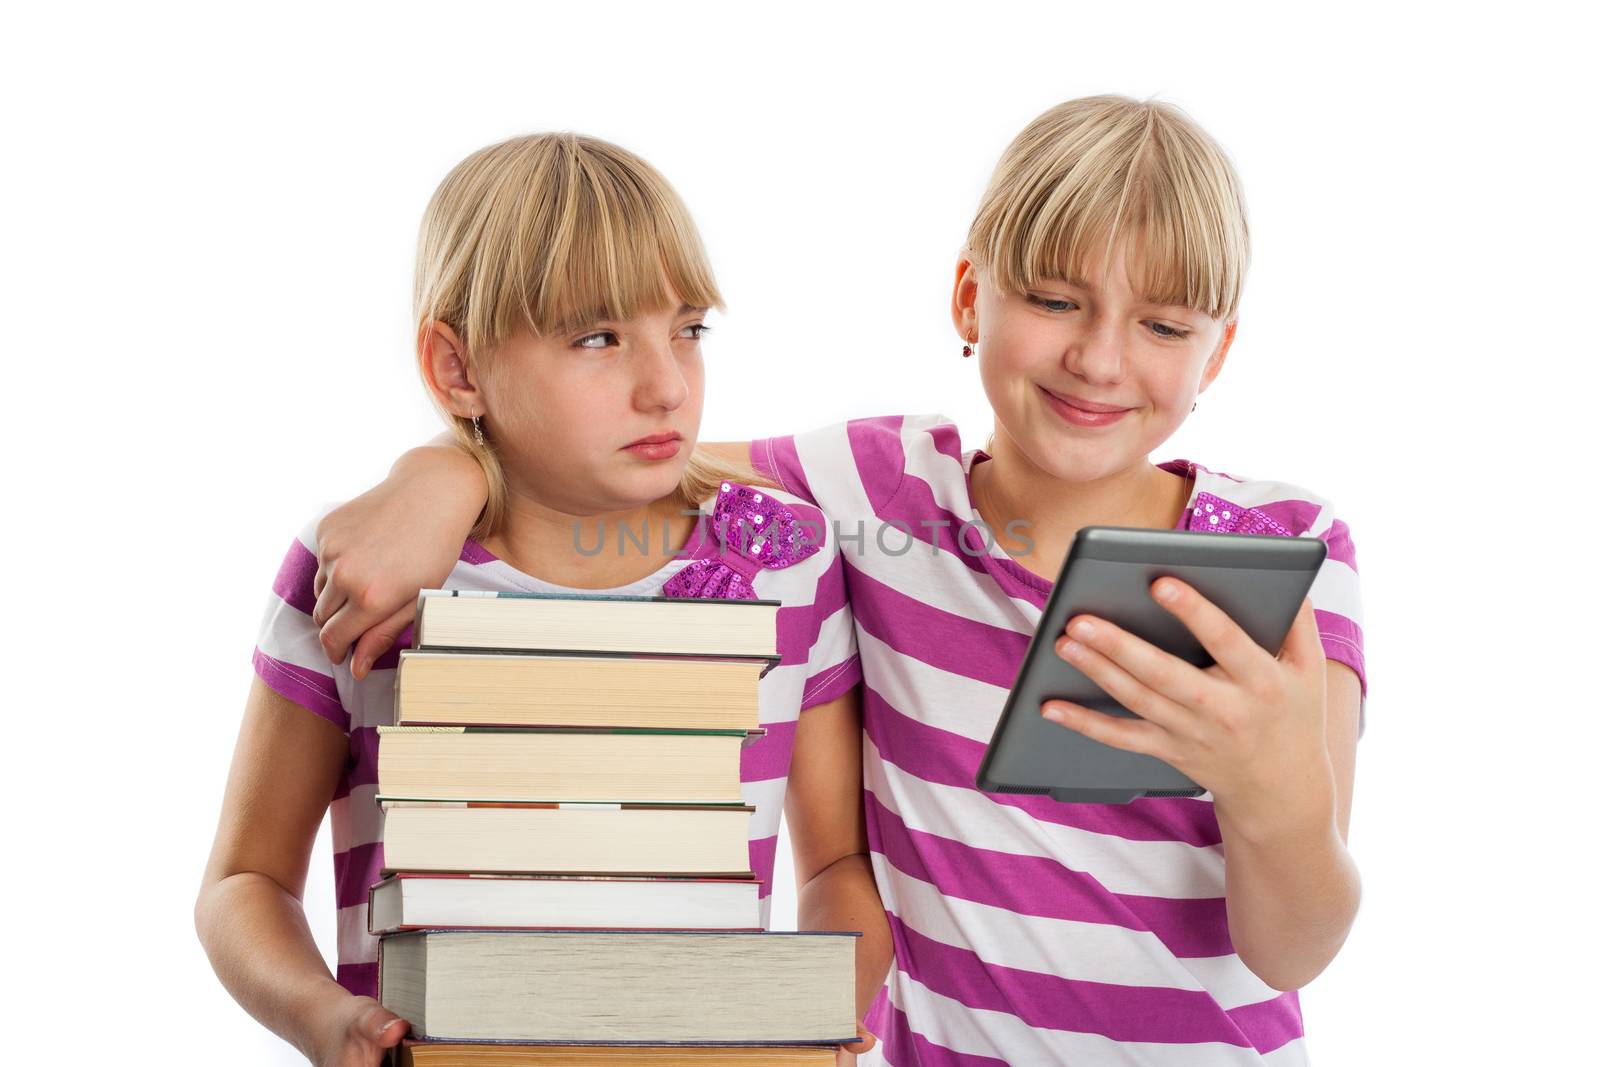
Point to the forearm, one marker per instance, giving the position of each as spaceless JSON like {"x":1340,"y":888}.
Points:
{"x":1292,"y":894}
{"x":845,"y":897}
{"x":255,"y":933}
{"x":444,"y":467}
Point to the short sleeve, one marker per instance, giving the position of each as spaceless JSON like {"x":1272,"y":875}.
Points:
{"x":849,"y":469}
{"x":288,"y":656}
{"x":1336,"y":599}
{"x":833,"y":663}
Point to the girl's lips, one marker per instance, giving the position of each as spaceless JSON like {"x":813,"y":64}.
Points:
{"x":656,"y":446}
{"x":1078,"y":416}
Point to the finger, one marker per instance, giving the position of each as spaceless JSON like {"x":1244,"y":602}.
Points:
{"x":1130,"y":735}
{"x":1303,"y":646}
{"x":1234,"y":650}
{"x":864,"y":1041}
{"x":330,"y":598}
{"x":1142,"y":678}
{"x":378,"y":640}
{"x":344,"y":627}
{"x":392,"y":1032}
{"x":381,"y":1025}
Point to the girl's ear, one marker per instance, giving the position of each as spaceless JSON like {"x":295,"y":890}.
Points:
{"x":964,"y":299}
{"x":447,"y":371}
{"x":1214,"y":364}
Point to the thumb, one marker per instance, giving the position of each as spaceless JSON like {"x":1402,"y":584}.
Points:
{"x":864,"y":1041}
{"x":388,"y":1028}
{"x":380,"y":1026}
{"x":378,"y":640}
{"x":1303,"y":645}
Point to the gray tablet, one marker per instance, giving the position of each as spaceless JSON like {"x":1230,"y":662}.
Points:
{"x":1258,"y":579}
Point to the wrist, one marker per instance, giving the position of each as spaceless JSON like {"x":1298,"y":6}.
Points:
{"x":1293,"y":811}
{"x":320,"y":1012}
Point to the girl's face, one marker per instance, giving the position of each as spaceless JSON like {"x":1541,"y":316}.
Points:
{"x":599,"y":418}
{"x":1065,"y":345}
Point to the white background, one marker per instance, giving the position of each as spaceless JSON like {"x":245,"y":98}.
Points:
{"x":209,"y":218}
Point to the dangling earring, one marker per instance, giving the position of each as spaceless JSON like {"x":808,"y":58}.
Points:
{"x":1196,"y":404}
{"x":477,"y":430}
{"x":969,"y":348}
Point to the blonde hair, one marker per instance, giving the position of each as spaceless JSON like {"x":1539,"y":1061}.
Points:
{"x":1087,"y":170}
{"x":547,"y":232}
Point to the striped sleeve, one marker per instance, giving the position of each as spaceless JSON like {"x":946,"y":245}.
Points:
{"x":849,"y":469}
{"x":832,"y":659}
{"x":1336,"y":598}
{"x":288,"y":656}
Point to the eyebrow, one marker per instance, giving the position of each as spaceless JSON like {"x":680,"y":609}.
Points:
{"x":596,"y":316}
{"x":1141,"y":298}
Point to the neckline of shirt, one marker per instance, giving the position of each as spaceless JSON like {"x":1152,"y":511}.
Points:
{"x":996,"y":556}
{"x":691,"y":550}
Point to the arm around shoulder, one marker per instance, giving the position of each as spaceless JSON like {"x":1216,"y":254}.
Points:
{"x":377,"y":551}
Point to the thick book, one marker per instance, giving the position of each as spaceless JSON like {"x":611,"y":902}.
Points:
{"x":454,"y":1054}
{"x":640,"y":839}
{"x":531,"y":764}
{"x":524,"y":689}
{"x":537,"y":622}
{"x":416,"y":901}
{"x":621,"y":986}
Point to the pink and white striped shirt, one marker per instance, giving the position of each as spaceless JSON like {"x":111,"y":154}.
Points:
{"x":1027,"y":931}
{"x":816,"y":640}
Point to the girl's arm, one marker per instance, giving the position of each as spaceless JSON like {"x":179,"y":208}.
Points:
{"x":404,"y":535}
{"x":1272,"y":738}
{"x":377,"y":551}
{"x":248,"y":913}
{"x":1292,"y":885}
{"x":828,"y":831}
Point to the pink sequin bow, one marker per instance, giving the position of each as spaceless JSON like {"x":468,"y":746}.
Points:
{"x":753,"y":531}
{"x":1216,"y":515}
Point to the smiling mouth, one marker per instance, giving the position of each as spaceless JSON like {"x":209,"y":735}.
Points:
{"x":1083,"y":405}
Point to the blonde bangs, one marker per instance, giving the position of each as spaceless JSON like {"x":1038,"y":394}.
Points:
{"x":552,"y":232}
{"x":1090,"y":172}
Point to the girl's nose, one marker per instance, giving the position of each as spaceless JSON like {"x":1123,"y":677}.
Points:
{"x":1095,"y":354}
{"x":660,"y":384}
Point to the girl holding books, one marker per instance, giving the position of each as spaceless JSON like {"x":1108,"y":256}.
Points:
{"x":560,"y":297}
{"x":1099,"y":288}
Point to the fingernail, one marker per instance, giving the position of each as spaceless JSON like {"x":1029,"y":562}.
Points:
{"x":1082,"y":629}
{"x":1166,"y":591}
{"x":1071,"y":649}
{"x":362,"y":666}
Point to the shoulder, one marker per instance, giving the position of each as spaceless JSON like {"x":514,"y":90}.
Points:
{"x":782,"y":526}
{"x":849,"y":467}
{"x":1300,"y":511}
{"x":296,"y":579}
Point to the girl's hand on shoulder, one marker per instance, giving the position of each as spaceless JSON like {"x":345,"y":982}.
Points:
{"x":1251,"y":728}
{"x":376,"y":552}
{"x":358,"y":1033}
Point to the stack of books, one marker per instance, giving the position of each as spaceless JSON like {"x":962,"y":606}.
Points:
{"x":566,"y":846}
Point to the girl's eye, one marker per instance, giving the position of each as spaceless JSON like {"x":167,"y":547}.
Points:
{"x":695,"y":331}
{"x":598,"y":339}
{"x":1051,"y":303}
{"x":1161,"y":329}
